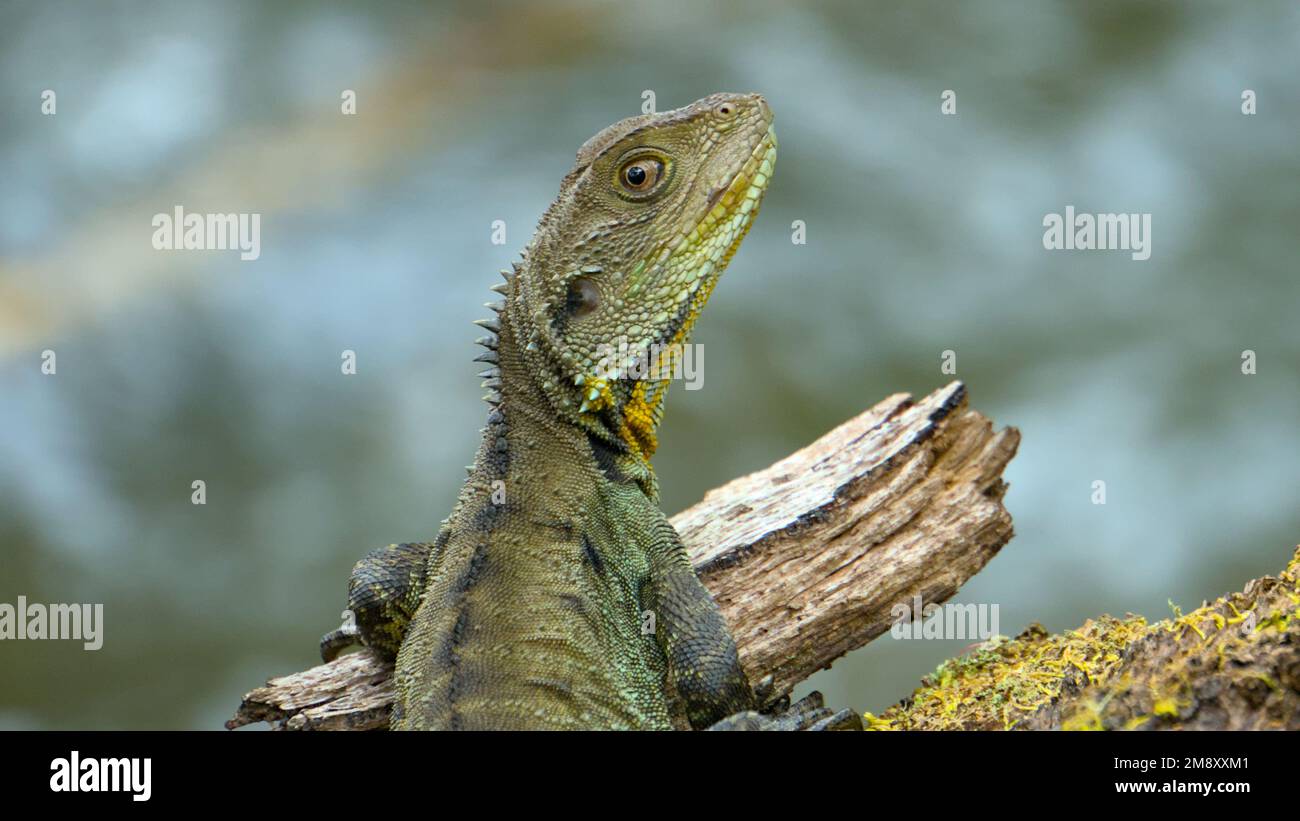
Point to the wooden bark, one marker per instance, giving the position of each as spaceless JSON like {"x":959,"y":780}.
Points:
{"x":805,"y":558}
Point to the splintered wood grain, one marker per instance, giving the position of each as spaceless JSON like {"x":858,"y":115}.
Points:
{"x":805,"y":558}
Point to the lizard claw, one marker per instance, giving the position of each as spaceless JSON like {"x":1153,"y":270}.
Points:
{"x":336,"y":641}
{"x":843,"y":720}
{"x":766,"y":698}
{"x":809,"y":713}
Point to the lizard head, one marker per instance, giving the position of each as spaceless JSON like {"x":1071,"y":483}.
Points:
{"x":624,"y":260}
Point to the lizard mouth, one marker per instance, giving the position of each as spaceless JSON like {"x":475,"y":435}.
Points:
{"x":715,"y":196}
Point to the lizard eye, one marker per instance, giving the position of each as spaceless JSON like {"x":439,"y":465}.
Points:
{"x":583,"y":297}
{"x":641,"y":175}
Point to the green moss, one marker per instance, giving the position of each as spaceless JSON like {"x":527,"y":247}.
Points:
{"x":1004,"y":682}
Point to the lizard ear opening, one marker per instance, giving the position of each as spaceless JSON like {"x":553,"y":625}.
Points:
{"x":582,"y":298}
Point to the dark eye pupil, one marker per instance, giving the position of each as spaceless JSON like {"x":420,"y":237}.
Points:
{"x":636,"y":175}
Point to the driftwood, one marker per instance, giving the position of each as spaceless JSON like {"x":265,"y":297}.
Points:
{"x":805,"y":558}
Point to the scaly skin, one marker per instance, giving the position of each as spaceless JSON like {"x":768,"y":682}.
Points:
{"x":557,"y":595}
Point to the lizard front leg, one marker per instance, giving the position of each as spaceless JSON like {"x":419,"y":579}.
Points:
{"x":703,"y":665}
{"x":384,"y":591}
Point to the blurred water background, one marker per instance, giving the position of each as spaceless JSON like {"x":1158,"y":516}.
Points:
{"x":924,"y":234}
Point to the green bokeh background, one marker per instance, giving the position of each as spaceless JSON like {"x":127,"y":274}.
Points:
{"x":924,"y":234}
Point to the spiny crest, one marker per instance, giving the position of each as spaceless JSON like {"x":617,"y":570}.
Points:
{"x":492,"y":376}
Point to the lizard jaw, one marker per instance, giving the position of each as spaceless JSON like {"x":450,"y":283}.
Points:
{"x":729,"y":215}
{"x":717,"y":234}
{"x":699,"y":256}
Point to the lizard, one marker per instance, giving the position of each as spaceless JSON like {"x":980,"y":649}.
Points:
{"x":557,"y":594}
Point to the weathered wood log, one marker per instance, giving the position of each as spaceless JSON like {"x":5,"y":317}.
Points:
{"x":805,"y":558}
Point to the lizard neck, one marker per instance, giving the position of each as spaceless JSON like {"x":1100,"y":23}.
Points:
{"x":529,"y":410}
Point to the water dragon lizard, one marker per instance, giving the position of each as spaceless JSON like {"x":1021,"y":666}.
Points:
{"x":557,"y":594}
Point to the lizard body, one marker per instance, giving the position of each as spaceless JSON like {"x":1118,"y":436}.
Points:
{"x":557,"y":595}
